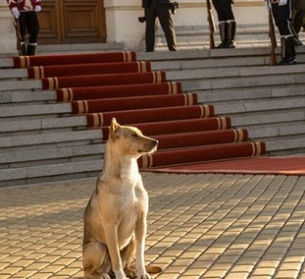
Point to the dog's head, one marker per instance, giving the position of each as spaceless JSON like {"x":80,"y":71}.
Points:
{"x":129,"y":141}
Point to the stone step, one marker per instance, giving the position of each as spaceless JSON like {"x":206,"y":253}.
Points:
{"x":239,"y":106}
{"x":216,"y":63}
{"x":50,"y":173}
{"x":41,"y":141}
{"x":203,"y":54}
{"x":239,"y":72}
{"x":247,"y":93}
{"x":189,"y":83}
{"x":197,"y":37}
{"x":286,"y":145}
{"x":266,"y":118}
{"x":15,"y":97}
{"x":15,"y":84}
{"x":64,"y":138}
{"x":70,"y":48}
{"x":278,"y":129}
{"x":42,"y":155}
{"x":36,"y":111}
{"x":13,"y":74}
{"x":9,"y":128}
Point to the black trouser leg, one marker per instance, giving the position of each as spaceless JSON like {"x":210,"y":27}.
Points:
{"x":23,"y":48}
{"x":32,"y":26}
{"x":297,"y":22}
{"x":29,"y":23}
{"x":31,"y":49}
{"x":231,"y":26}
{"x":166,"y":22}
{"x":223,"y":34}
{"x":150,"y":28}
{"x":288,"y":51}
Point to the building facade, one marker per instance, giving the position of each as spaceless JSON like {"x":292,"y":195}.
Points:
{"x":100,"y":21}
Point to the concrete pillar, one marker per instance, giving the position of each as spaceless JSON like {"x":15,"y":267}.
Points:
{"x":7,"y":31}
{"x":122,"y":22}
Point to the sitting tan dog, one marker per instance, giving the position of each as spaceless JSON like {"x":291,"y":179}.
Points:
{"x":115,"y":217}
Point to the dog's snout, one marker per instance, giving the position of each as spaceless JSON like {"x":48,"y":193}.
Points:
{"x":155,"y":142}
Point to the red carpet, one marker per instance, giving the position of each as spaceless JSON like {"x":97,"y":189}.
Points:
{"x":185,"y":126}
{"x":117,"y":91}
{"x":88,"y":69}
{"x":277,"y":165}
{"x":150,"y":115}
{"x":133,"y":103}
{"x":202,"y":153}
{"x":70,"y":59}
{"x":201,"y":138}
{"x":106,"y":79}
{"x":106,"y":85}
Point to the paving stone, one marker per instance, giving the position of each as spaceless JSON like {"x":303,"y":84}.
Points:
{"x":51,"y":234}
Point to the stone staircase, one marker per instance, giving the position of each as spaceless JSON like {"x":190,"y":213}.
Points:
{"x":268,"y":101}
{"x":41,"y":141}
{"x":197,"y":37}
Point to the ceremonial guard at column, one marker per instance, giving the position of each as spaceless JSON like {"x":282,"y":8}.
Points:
{"x":25,"y":12}
{"x":226,"y":21}
{"x":282,"y":14}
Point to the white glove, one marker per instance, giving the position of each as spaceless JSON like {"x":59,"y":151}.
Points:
{"x":15,"y":12}
{"x":282,"y":2}
{"x":38,"y":9}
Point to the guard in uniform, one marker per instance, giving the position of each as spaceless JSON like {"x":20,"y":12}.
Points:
{"x":282,"y":14}
{"x":25,"y":11}
{"x":226,"y":21}
{"x":160,"y":9}
{"x":298,"y":16}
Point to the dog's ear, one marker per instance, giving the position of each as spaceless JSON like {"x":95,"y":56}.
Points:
{"x":114,"y":128}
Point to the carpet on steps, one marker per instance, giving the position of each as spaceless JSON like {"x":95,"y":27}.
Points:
{"x":68,"y":59}
{"x":88,"y":69}
{"x":150,"y":115}
{"x":106,"y":85}
{"x":133,"y":103}
{"x":53,"y":83}
{"x":180,"y":140}
{"x":117,"y":91}
{"x":198,"y":154}
{"x":181,"y":126}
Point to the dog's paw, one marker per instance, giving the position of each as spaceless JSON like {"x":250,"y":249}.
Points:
{"x":130,"y":272}
{"x":105,"y":276}
{"x":144,"y":276}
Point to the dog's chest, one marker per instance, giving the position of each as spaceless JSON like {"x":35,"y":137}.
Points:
{"x":132,"y":198}
{"x":132,"y":205}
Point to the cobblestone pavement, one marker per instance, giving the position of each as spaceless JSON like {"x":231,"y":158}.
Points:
{"x":200,"y":226}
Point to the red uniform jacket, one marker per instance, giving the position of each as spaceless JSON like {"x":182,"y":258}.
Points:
{"x":24,"y":5}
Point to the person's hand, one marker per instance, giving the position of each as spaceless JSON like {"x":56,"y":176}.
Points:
{"x":38,"y":9}
{"x":15,"y":12}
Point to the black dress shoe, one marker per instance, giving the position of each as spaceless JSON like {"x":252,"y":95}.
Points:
{"x":288,"y":61}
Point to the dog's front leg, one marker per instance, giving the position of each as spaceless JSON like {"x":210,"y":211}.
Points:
{"x":111,"y":234}
{"x":140,"y":234}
